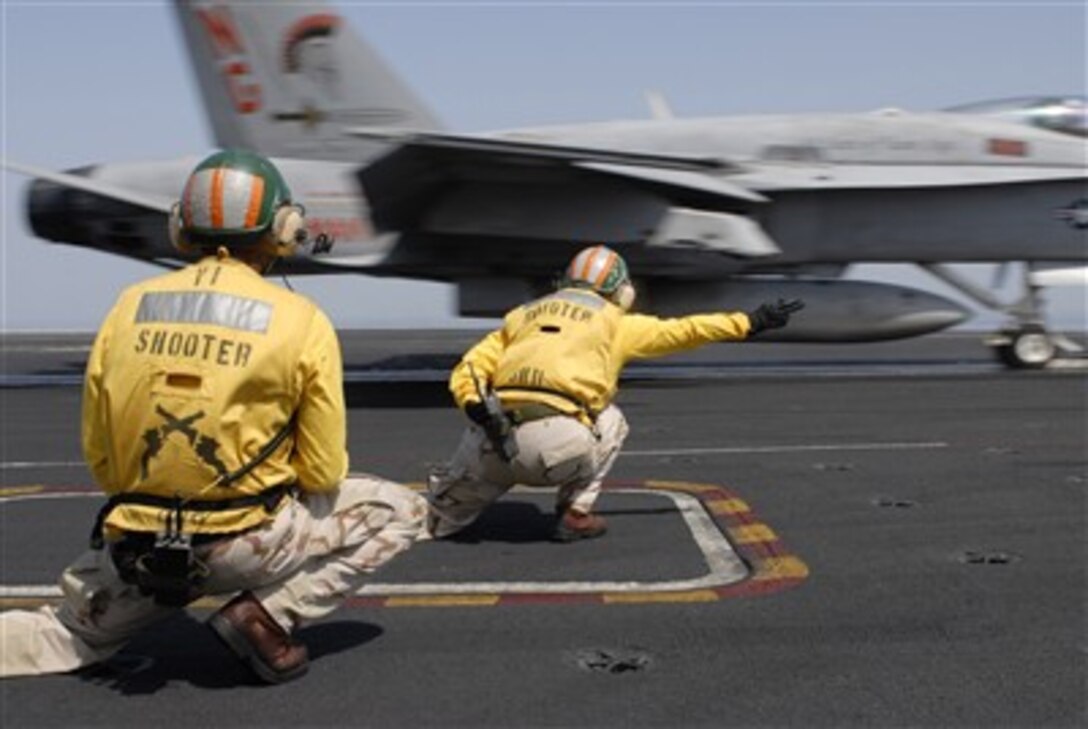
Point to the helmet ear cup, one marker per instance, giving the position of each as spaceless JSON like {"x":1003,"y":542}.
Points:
{"x":288,"y":229}
{"x":174,"y":228}
{"x":624,"y":297}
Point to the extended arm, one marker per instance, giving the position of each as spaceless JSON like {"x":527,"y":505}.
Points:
{"x":643,"y":336}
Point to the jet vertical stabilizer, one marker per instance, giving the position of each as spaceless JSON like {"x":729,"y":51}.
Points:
{"x":284,"y":80}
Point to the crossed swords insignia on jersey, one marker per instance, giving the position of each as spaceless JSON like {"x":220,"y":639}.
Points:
{"x":202,"y":445}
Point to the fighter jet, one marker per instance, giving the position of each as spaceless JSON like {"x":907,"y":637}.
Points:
{"x":710,"y":213}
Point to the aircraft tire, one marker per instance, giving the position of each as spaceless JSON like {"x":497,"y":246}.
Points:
{"x":1030,"y":348}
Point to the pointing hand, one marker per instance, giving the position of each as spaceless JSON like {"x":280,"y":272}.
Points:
{"x":773,"y":316}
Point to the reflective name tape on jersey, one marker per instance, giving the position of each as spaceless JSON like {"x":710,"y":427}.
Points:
{"x":202,"y":307}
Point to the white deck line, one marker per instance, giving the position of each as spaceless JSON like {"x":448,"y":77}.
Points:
{"x":814,"y":447}
{"x":725,"y":567}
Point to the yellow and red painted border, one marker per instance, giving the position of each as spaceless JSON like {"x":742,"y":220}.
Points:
{"x":773,"y":567}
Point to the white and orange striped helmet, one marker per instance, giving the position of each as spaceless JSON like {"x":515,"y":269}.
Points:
{"x":235,"y":199}
{"x":603,"y":270}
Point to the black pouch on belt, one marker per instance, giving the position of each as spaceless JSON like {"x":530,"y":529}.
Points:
{"x":170,"y":571}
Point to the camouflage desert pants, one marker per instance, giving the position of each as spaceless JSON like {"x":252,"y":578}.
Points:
{"x":558,"y":452}
{"x":318,"y":550}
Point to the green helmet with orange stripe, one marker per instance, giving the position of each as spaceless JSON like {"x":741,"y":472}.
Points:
{"x":603,"y":270}
{"x":236,"y":199}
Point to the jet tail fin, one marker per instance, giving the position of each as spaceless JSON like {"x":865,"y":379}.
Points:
{"x":284,"y":80}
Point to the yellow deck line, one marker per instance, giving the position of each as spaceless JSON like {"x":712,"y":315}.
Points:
{"x":26,"y":603}
{"x":681,"y":486}
{"x":752,"y":534}
{"x":641,"y":597}
{"x":779,"y":568}
{"x":442,"y":601}
{"x":727,"y":506}
{"x":20,"y":490}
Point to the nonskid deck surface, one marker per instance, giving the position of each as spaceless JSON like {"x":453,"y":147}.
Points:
{"x":797,"y":549}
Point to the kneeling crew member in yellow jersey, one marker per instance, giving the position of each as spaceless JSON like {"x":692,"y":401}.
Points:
{"x":214,"y":418}
{"x":550,"y":373}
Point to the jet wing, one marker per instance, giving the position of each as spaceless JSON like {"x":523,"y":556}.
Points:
{"x":679,"y":178}
{"x":93,"y":213}
{"x":541,"y":151}
{"x":149,"y":201}
{"x":436,"y":185}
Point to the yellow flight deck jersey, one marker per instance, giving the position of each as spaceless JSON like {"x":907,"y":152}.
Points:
{"x":566,"y":350}
{"x":192,"y":374}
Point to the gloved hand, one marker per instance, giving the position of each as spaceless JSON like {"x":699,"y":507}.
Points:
{"x":476,"y":412}
{"x":773,"y":316}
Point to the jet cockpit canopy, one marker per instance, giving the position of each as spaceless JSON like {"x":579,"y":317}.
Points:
{"x":1065,"y":114}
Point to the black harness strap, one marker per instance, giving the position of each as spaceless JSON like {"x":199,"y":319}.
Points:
{"x":269,"y":448}
{"x":269,"y":499}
